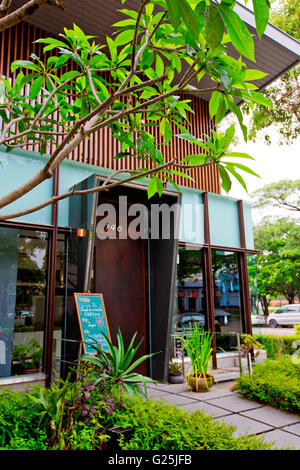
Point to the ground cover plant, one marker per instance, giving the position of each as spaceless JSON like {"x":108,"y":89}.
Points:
{"x":160,"y":426}
{"x":275,"y":382}
{"x":77,"y":417}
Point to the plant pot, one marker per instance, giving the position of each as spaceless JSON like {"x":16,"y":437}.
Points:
{"x":176,"y":379}
{"x":115,"y":434}
{"x":201,"y":384}
{"x":32,"y":371}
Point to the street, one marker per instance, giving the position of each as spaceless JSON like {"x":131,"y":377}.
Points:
{"x":273,"y":331}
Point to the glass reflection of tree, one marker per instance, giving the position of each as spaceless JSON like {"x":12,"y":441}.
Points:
{"x":31,"y":268}
{"x":252,"y":275}
{"x":225,"y":272}
{"x":190,"y":264}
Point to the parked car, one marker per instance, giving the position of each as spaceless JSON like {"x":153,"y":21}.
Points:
{"x":222,"y":316}
{"x":257,"y":319}
{"x":187,"y":318}
{"x":288,"y":315}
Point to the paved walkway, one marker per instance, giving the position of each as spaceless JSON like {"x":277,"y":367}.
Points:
{"x":247,"y":416}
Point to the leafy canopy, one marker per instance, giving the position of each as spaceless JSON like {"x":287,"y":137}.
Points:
{"x":138,"y":78}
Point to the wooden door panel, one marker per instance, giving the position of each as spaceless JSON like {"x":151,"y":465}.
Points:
{"x":120,"y":277}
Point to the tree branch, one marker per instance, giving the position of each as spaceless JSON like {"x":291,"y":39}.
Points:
{"x":11,"y":19}
{"x":104,"y":187}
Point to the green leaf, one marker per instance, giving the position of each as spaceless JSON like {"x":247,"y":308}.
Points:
{"x":155,"y":185}
{"x":238,"y":154}
{"x":36,"y":87}
{"x":253,"y":74}
{"x":173,"y":13}
{"x":226,"y":182}
{"x":25,"y":64}
{"x":124,"y":37}
{"x":188,"y":17}
{"x":261,"y":12}
{"x":180,"y":173}
{"x":196,"y":159}
{"x":214,"y":103}
{"x":231,"y":169}
{"x":244,"y":168}
{"x":215,"y":28}
{"x":260,"y":99}
{"x":238,"y":32}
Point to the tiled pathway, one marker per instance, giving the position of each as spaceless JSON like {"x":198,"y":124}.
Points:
{"x":247,"y":416}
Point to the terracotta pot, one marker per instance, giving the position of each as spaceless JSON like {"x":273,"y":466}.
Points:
{"x":200,"y":384}
{"x":176,"y":379}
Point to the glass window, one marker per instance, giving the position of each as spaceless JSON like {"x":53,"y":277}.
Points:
{"x":23,"y":287}
{"x":60,"y":301}
{"x":190,"y":301}
{"x":227,"y":299}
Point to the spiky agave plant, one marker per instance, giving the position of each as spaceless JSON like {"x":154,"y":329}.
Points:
{"x":117,"y":366}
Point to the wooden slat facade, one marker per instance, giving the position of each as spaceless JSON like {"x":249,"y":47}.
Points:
{"x":17,"y":44}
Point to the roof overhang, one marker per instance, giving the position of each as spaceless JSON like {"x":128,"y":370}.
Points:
{"x":276,"y":52}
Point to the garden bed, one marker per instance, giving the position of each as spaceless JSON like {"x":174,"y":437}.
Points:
{"x":26,"y":424}
{"x":275,"y":382}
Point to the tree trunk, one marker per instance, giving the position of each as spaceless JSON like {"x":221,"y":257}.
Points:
{"x":264,"y":303}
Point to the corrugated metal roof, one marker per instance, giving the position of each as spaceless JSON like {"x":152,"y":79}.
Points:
{"x":275,"y":53}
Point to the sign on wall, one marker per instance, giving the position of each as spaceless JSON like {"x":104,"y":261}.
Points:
{"x":92,"y":320}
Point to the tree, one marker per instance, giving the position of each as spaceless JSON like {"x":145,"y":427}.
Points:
{"x":284,"y":194}
{"x":278,"y":265}
{"x":11,"y":15}
{"x":285,"y":92}
{"x":159,"y":54}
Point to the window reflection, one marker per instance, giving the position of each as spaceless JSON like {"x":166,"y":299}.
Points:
{"x":190,"y":303}
{"x":23,"y":285}
{"x":227,"y":299}
{"x":31,"y":287}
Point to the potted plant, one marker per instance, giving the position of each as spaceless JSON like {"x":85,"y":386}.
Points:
{"x":249,"y":343}
{"x":27,"y":357}
{"x":176,"y":375}
{"x":198,"y":345}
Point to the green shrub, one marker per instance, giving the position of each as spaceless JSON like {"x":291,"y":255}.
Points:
{"x":19,"y":423}
{"x":278,"y":345}
{"x":276,"y":382}
{"x":159,"y":426}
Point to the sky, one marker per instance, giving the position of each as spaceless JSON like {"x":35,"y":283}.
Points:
{"x":272,"y":163}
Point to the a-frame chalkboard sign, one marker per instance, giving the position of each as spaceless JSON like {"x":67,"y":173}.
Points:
{"x":92,"y":320}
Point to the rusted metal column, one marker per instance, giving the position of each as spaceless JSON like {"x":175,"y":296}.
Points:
{"x":209,"y":288}
{"x":244,"y":270}
{"x":51,"y":284}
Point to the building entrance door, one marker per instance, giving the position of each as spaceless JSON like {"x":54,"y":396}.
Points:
{"x":119,"y":274}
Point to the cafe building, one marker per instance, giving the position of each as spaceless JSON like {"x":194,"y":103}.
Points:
{"x":199,"y":266}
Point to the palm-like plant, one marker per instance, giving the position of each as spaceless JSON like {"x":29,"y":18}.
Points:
{"x":117,"y":366}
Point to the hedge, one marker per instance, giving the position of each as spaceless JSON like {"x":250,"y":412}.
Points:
{"x":275,"y":382}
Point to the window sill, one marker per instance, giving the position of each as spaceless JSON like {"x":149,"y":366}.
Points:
{"x":20,"y":379}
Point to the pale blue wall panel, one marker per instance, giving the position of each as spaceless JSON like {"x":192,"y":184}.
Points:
{"x":16,"y":170}
{"x":223,"y":221}
{"x":248,"y":225}
{"x":191,"y":221}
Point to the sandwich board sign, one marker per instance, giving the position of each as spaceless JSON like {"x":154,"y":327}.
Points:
{"x":92,"y":320}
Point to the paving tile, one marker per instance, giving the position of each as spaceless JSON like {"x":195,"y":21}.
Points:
{"x":204,"y":396}
{"x":272,"y":416}
{"x":293,"y":428}
{"x":205,"y":408}
{"x":152,"y":393}
{"x":245,"y":425}
{"x":234,"y":403}
{"x":173,"y":388}
{"x":283,"y":439}
{"x":175,"y":399}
